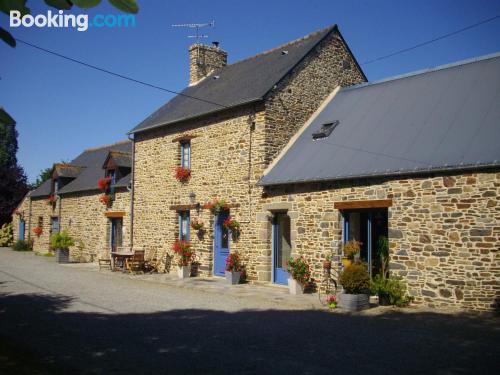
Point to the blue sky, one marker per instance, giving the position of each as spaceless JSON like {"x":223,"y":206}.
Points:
{"x":62,"y":108}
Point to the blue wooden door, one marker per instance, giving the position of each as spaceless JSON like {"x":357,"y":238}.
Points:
{"x":116,"y":233}
{"x":221,"y":244}
{"x":20,"y":235}
{"x":282,"y":247}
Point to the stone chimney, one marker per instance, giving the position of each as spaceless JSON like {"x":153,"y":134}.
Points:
{"x":203,"y":60}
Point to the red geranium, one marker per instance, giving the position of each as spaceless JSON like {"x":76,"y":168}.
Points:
{"x":105,"y":199}
{"x":182,"y":174}
{"x":104,"y":183}
{"x":38,"y":231}
{"x":231,"y":224}
{"x":183,"y":250}
{"x":233,"y":263}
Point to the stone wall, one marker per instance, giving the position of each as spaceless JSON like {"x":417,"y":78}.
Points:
{"x":41,"y":212}
{"x":229,"y":153}
{"x":84,"y":217}
{"x":444,"y":232}
{"x":203,"y":60}
{"x":223,"y":166}
{"x":22,"y":211}
{"x":297,"y":96}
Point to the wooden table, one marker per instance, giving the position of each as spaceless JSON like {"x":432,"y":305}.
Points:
{"x":119,"y":256}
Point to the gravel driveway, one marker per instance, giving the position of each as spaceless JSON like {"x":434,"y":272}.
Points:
{"x":70,"y":320}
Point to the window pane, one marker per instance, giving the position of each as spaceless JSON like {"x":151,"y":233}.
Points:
{"x":184,"y":225}
{"x":185,"y":154}
{"x":284,"y":243}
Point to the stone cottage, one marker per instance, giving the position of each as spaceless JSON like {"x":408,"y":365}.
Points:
{"x":71,"y":200}
{"x":414,"y":159}
{"x":248,"y":112}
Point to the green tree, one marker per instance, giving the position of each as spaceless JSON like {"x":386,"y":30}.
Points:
{"x":45,"y":174}
{"x":13,"y":182}
{"x":127,"y":6}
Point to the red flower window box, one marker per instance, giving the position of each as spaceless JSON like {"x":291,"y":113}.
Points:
{"x":182,"y":174}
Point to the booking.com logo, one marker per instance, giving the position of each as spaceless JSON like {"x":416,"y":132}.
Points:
{"x":81,"y":21}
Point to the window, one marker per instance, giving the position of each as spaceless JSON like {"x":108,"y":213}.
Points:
{"x":111,"y":173}
{"x":186,"y":154}
{"x":184,"y":225}
{"x":325,"y":130}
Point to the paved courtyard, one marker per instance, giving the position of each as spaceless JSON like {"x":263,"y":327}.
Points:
{"x":75,"y":319}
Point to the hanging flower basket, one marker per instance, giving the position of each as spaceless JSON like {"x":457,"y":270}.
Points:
{"x":231,"y":224}
{"x":51,"y":200}
{"x":38,"y":231}
{"x":106,"y":199}
{"x":104,"y":184}
{"x":182,"y":174}
{"x":197,"y":225}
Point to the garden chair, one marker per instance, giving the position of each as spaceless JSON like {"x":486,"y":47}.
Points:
{"x":105,"y":262}
{"x":136,"y":262}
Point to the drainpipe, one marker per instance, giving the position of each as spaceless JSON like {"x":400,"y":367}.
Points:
{"x":29,"y":217}
{"x":131,"y":189}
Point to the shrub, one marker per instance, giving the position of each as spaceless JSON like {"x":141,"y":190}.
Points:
{"x":299,"y":269}
{"x":392,"y":289}
{"x":355,"y":279}
{"x":233,"y":263}
{"x":352,"y":248}
{"x":61,"y":240}
{"x":22,"y":245}
{"x":6,"y":235}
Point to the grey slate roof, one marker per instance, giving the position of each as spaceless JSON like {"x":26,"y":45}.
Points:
{"x":92,"y":161}
{"x":243,"y":82}
{"x":121,"y":159}
{"x":442,"y":119}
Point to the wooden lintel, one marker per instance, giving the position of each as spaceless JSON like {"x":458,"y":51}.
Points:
{"x":185,"y":137}
{"x":374,"y":203}
{"x":182,"y":207}
{"x":114,"y":213}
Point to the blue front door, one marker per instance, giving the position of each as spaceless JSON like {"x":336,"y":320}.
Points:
{"x":116,"y":233}
{"x":282,"y":247}
{"x":20,"y":235}
{"x":221,"y":244}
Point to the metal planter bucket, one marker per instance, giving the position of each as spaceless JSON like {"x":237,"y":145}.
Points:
{"x":233,"y":278}
{"x":354,"y":302}
{"x":62,"y":255}
{"x":184,"y":272}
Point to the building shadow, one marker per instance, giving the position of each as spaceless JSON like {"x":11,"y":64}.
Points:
{"x":199,"y":341}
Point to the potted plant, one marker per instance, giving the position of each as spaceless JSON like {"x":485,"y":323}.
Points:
{"x":186,"y":256}
{"x":299,"y":275}
{"x":355,"y":281}
{"x":332,"y":302}
{"x":351,"y":250}
{"x":233,"y":268}
{"x":182,"y":174}
{"x":61,"y":242}
{"x":391,"y":290}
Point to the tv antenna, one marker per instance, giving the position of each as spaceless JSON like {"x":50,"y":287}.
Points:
{"x":197,"y":27}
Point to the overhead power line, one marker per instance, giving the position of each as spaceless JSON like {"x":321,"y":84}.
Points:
{"x":432,"y":40}
{"x":117,"y":74}
{"x":225,"y":106}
